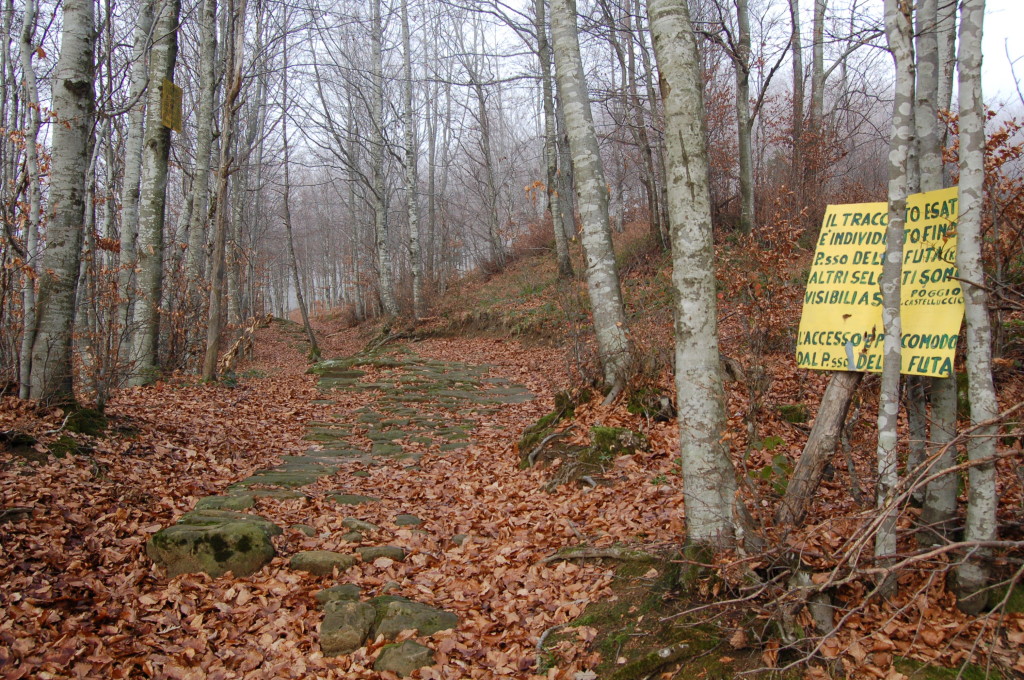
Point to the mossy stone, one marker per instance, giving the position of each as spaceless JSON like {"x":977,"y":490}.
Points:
{"x":241,"y":501}
{"x":345,"y":627}
{"x":86,"y":421}
{"x":405,"y":520}
{"x":396,"y":614}
{"x":393,"y":552}
{"x":356,"y":524}
{"x":304,"y":529}
{"x":347,"y":592}
{"x":215,"y":542}
{"x":793,"y":413}
{"x":403,"y":658}
{"x":276,"y":494}
{"x":321,"y":562}
{"x":385,"y":449}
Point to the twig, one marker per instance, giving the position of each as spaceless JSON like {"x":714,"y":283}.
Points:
{"x":546,"y":633}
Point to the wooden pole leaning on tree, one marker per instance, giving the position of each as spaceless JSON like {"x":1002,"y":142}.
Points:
{"x":821,"y":444}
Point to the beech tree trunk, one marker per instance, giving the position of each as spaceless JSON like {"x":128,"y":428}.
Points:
{"x":973,"y":573}
{"x":412,"y":178}
{"x":899,"y":32}
{"x":235,"y":41}
{"x":152,"y":199}
{"x":139,"y":81}
{"x":381,"y":236}
{"x":741,"y":62}
{"x":28,"y":295}
{"x":796,"y":46}
{"x":592,"y":195}
{"x":709,"y":480}
{"x":939,"y":497}
{"x":197,"y":230}
{"x":51,"y":377}
{"x":555,"y":204}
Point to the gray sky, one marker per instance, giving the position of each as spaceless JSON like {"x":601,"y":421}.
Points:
{"x":1003,"y":22}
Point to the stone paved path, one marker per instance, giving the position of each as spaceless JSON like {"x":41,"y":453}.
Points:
{"x":412,"y":406}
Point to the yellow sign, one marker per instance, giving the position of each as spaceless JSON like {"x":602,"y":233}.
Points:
{"x":841,"y":326}
{"x":170,"y":105}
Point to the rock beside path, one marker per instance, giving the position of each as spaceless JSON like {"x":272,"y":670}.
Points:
{"x":321,"y":562}
{"x":404,"y":658}
{"x":345,"y":626}
{"x":346,"y":591}
{"x":392,"y":552}
{"x":396,"y":614}
{"x":214,"y":542}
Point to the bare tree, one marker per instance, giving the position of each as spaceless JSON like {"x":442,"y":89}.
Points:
{"x":899,"y":32}
{"x":709,"y":479}
{"x":592,"y":195}
{"x":51,"y":376}
{"x":235,"y":41}
{"x":28,"y":299}
{"x":153,"y":197}
{"x":973,"y":573}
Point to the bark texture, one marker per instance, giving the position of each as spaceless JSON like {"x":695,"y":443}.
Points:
{"x":899,"y":32}
{"x":133,"y":167}
{"x":555,"y":203}
{"x":412,"y":178}
{"x":709,"y":480}
{"x":591,"y":194}
{"x":72,"y":90}
{"x":381,"y":235}
{"x":982,"y":501}
{"x":197,"y":230}
{"x":152,"y":200}
{"x":28,"y":296}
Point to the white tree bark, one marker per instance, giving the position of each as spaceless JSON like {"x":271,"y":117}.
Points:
{"x":139,"y":81}
{"x":709,"y":480}
{"x":899,"y":32}
{"x":744,"y":125}
{"x":51,"y":377}
{"x":939,"y":498}
{"x":554,"y":203}
{"x":314,"y":348}
{"x":28,"y":295}
{"x":982,"y":501}
{"x":592,"y":195}
{"x":381,"y":236}
{"x":235,"y":41}
{"x":197,"y":231}
{"x":412,"y":180}
{"x":152,"y":199}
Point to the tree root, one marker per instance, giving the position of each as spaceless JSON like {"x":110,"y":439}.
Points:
{"x":585,"y":553}
{"x":645,"y":666}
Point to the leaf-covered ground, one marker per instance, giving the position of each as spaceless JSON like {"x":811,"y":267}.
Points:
{"x":80,"y":598}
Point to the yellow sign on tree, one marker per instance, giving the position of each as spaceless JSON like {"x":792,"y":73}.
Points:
{"x":841,"y":325}
{"x":170,"y":105}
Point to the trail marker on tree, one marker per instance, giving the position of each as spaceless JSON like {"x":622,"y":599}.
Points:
{"x":170,"y":105}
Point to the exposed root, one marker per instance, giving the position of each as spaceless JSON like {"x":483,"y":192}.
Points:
{"x":584,"y":553}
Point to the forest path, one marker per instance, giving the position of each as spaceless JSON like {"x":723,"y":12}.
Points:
{"x":82,"y":598}
{"x":409,"y":463}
